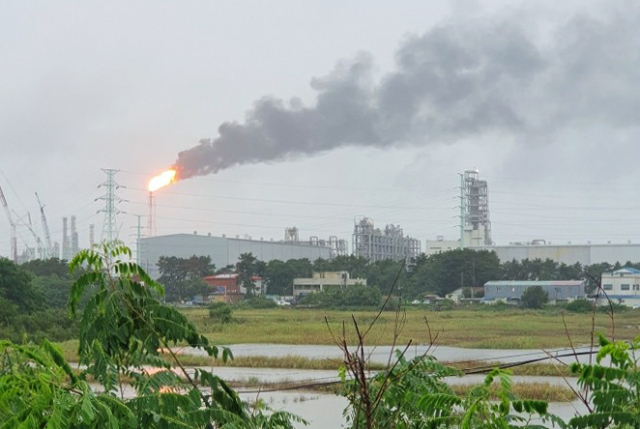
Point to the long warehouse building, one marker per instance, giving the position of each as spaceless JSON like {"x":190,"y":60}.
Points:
{"x":224,"y":251}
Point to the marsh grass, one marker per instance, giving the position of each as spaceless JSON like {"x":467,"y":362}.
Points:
{"x":531,"y":391}
{"x":505,"y":329}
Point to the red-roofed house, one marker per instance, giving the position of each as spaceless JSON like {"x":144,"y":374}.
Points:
{"x":227,"y":287}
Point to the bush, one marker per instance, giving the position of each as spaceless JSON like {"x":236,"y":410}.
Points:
{"x":351,"y":296}
{"x":534,"y":297}
{"x":221,"y":312}
{"x":579,"y":306}
{"x":259,"y":302}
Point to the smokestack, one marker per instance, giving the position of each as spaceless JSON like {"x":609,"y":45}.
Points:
{"x":65,"y":240}
{"x":459,"y":80}
{"x":92,"y":235}
{"x":75,"y":247}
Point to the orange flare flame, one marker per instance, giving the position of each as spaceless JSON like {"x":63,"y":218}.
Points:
{"x":163,"y":179}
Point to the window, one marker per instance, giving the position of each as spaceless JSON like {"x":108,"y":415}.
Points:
{"x":624,"y":287}
{"x":607,"y":287}
{"x":636,"y":287}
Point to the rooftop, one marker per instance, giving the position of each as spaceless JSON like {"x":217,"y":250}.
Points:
{"x":535,"y":283}
{"x":625,"y":270}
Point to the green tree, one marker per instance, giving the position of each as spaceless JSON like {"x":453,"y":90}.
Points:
{"x":278,"y":275}
{"x":247,"y":267}
{"x":183,"y":277}
{"x":54,"y":289}
{"x":534,"y":297}
{"x":48,"y":267}
{"x":382,"y":274}
{"x":445,"y":272}
{"x":17,"y":288}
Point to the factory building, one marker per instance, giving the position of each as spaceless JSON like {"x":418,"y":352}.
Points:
{"x":622,"y":287}
{"x":337,"y":247}
{"x":511,"y":291}
{"x":224,"y":251}
{"x":570,"y":254}
{"x":475,"y":233}
{"x":376,"y":245}
{"x":585,"y":254}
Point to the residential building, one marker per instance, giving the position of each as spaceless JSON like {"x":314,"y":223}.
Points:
{"x":512,"y":290}
{"x":320,"y":281}
{"x":228,"y":288}
{"x":622,"y":286}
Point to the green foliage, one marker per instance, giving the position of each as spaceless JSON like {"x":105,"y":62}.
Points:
{"x":414,"y":394}
{"x":48,"y":267}
{"x":614,"y":388}
{"x":183,"y":278}
{"x":534,"y":297}
{"x":351,"y":296}
{"x":16,"y":287}
{"x":258,"y":302}
{"x":220,"y":312}
{"x":54,"y":289}
{"x":122,"y":330}
{"x":442,"y":273}
{"x":279,"y":275}
{"x":30,"y":307}
{"x":247,"y":267}
{"x":579,"y":306}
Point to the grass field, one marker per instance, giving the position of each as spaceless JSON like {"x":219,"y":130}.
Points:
{"x":507,"y":329}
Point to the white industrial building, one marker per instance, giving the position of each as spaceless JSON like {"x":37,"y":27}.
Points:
{"x":585,"y":254}
{"x":224,"y":251}
{"x":622,"y":287}
{"x":320,"y":281}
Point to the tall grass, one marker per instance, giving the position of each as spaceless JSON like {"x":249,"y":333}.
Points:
{"x":507,"y":329}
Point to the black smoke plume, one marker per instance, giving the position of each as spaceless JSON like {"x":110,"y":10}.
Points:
{"x":455,"y":81}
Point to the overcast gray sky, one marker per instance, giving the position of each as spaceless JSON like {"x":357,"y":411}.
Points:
{"x":332,"y":110}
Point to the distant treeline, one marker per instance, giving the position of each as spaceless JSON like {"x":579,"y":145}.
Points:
{"x":438,"y":274}
{"x":33,"y":299}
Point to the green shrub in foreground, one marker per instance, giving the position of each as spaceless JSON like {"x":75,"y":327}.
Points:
{"x":221,"y":312}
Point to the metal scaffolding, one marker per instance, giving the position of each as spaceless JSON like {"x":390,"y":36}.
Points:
{"x":475,"y":203}
{"x":376,"y":245}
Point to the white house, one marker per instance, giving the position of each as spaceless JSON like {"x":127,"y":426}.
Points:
{"x":623,"y":286}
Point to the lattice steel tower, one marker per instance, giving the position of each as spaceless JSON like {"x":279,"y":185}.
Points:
{"x":110,"y":227}
{"x":475,"y":207}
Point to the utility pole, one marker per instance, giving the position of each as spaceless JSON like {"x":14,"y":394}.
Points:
{"x":110,"y":227}
{"x":462,"y":209}
{"x":138,"y":240}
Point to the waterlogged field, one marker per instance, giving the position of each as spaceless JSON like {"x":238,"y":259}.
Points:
{"x":507,"y":329}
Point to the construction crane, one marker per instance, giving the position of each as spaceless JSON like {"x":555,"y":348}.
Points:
{"x":14,"y":234}
{"x":41,"y":250}
{"x":45,"y":227}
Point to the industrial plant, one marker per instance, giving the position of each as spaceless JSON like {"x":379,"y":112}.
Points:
{"x":475,"y":233}
{"x":225,"y":251}
{"x":368,"y":241}
{"x":375,"y":244}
